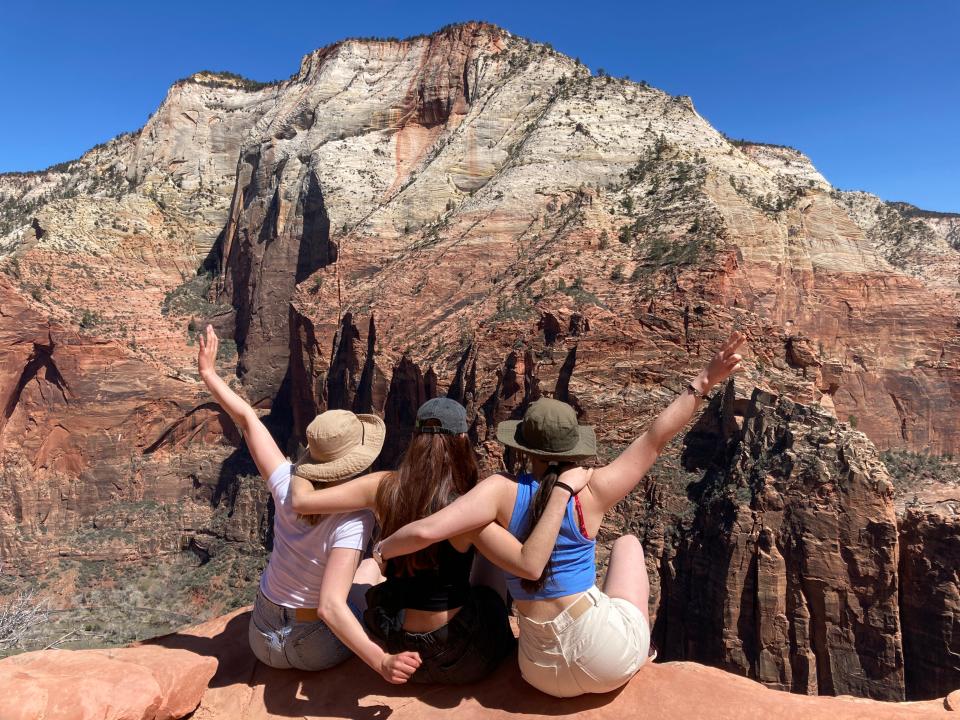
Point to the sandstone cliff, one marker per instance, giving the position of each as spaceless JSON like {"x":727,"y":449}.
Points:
{"x":473,"y":214}
{"x":788,"y":572}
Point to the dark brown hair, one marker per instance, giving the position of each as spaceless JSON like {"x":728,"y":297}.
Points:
{"x":433,"y":472}
{"x":535,"y":512}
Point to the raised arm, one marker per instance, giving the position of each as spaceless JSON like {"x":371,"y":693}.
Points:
{"x":358,"y":494}
{"x":261,"y":445}
{"x":468,"y":512}
{"x":612,"y":482}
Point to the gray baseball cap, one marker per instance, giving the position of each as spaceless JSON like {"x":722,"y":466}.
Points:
{"x":451,"y":416}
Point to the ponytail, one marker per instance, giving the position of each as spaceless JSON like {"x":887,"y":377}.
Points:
{"x":537,"y":508}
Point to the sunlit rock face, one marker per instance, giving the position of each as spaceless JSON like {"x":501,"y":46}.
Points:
{"x":470,"y":214}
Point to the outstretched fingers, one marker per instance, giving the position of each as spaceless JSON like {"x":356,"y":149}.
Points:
{"x":734,"y":341}
{"x":211,"y":344}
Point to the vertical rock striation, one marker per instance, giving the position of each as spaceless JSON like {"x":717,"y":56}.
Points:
{"x":789,"y":572}
{"x":930,"y":597}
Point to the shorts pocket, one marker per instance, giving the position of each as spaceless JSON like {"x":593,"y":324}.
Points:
{"x":544,"y":675}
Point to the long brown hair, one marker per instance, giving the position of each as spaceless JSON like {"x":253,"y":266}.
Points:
{"x":435,"y":469}
{"x":535,"y":512}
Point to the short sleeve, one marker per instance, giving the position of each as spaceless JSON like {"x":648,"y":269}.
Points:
{"x":353,"y":530}
{"x":279,"y":482}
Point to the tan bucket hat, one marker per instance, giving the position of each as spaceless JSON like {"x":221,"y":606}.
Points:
{"x":549,"y":429}
{"x":340,"y":444}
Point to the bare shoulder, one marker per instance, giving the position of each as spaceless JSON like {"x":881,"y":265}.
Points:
{"x":502,"y":489}
{"x":498,"y":482}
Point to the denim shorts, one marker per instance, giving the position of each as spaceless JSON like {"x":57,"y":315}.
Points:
{"x":465,"y":650}
{"x":280,"y":641}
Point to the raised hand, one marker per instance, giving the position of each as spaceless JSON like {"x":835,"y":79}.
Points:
{"x":207,"y":357}
{"x":398,"y":668}
{"x":726,"y":362}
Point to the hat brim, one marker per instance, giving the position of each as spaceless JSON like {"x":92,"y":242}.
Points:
{"x":586,"y":446}
{"x":351,"y":464}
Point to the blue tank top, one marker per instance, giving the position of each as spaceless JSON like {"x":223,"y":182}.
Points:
{"x":573,"y":563}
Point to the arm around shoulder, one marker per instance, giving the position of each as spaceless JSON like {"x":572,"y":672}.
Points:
{"x":357,"y":494}
{"x":468,"y":512}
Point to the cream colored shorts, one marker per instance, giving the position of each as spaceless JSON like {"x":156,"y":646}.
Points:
{"x":594,"y":646}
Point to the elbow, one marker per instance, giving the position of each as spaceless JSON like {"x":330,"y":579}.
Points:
{"x":246,"y":419}
{"x":656,"y":443}
{"x":297,"y":504}
{"x":328,"y":609}
{"x":529,"y":574}
{"x":424,"y":534}
{"x":529,"y":571}
{"x":420,"y":534}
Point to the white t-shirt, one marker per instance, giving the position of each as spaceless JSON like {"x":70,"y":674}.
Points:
{"x":292,"y":577}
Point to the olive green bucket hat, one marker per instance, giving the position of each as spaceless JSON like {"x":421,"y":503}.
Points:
{"x":549,"y":429}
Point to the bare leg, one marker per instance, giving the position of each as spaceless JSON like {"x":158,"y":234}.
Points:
{"x":627,"y":574}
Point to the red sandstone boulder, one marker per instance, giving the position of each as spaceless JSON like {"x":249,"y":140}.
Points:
{"x":139,"y":683}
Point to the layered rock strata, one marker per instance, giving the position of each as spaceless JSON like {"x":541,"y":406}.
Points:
{"x":470,"y":214}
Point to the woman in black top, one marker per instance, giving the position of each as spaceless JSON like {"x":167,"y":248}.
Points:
{"x":453,"y":631}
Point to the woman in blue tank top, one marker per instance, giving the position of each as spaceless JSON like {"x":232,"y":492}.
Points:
{"x":574,"y":637}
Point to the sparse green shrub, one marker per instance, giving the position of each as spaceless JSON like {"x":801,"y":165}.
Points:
{"x":90,"y":319}
{"x":227,"y":349}
{"x":910,"y":469}
{"x":190,"y":298}
{"x":12,"y":268}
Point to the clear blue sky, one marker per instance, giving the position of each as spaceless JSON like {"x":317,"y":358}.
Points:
{"x":869,"y":89}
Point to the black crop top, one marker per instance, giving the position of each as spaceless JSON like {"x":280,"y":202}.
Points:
{"x":444,"y":587}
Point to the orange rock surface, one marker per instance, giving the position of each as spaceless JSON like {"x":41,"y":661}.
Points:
{"x":138,"y":683}
{"x":244,"y":689}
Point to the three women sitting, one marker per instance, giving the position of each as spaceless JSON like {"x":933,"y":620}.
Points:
{"x":435,"y":625}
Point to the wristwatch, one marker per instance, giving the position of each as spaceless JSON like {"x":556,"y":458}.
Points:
{"x":378,"y":554}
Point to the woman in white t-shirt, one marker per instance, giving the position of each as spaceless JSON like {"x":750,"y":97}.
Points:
{"x":307,"y":610}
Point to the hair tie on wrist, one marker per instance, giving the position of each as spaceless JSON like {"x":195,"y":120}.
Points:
{"x":565,"y":487}
{"x":696,"y":393}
